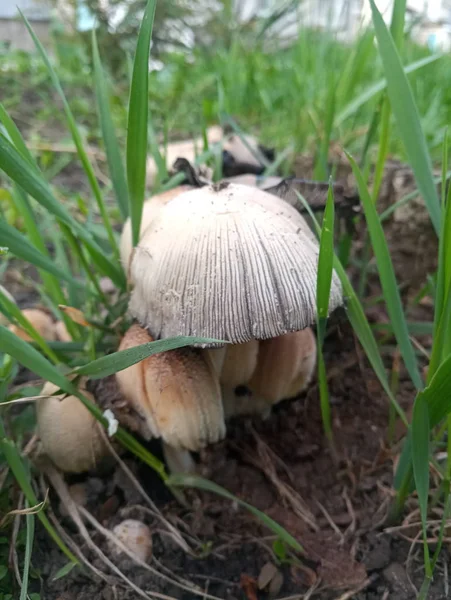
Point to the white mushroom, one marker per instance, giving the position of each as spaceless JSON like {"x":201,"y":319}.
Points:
{"x":136,"y":537}
{"x":41,"y":321}
{"x":228,"y":262}
{"x":177,"y":393}
{"x":69,"y":433}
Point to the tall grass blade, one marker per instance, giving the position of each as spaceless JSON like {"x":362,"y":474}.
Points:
{"x":115,"y":165}
{"x":359,"y":322}
{"x":76,"y":137}
{"x":323,"y":285}
{"x":407,"y":118}
{"x":138,"y":112}
{"x":387,"y":278}
{"x":208,"y":486}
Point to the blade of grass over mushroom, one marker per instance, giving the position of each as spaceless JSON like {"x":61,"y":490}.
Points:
{"x":107,"y":365}
{"x":420,"y":459}
{"x":359,"y":322}
{"x":372,"y":91}
{"x":387,"y":278}
{"x":208,"y":486}
{"x":115,"y":165}
{"x":76,"y":138}
{"x":406,"y":115}
{"x":30,"y":358}
{"x":138,"y":111}
{"x":20,"y":171}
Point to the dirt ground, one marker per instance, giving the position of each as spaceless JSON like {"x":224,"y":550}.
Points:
{"x":334,"y":499}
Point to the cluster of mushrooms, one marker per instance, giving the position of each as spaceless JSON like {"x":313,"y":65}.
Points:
{"x":227,"y":262}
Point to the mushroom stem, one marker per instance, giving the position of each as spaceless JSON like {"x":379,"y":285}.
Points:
{"x":178,"y":460}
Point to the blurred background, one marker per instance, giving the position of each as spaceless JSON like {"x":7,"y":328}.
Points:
{"x":274,"y":66}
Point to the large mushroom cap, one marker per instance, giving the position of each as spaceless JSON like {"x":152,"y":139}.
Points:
{"x":229,"y":262}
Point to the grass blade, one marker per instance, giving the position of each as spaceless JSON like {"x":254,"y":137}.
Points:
{"x":407,"y":118}
{"x":359,"y":322}
{"x":387,"y":278}
{"x":209,"y":486}
{"x":138,"y":113}
{"x":76,"y":137}
{"x":115,"y":165}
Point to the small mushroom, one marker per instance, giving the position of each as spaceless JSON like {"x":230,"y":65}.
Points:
{"x":229,"y":262}
{"x":41,"y":321}
{"x":69,"y":433}
{"x":284,"y":367}
{"x":177,"y":394}
{"x":151,"y":209}
{"x":136,"y":537}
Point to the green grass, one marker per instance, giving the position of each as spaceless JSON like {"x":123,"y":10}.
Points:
{"x":391,"y":98}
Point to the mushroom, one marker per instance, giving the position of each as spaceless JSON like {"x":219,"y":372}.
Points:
{"x":229,"y":262}
{"x":178,"y":396}
{"x":41,"y":321}
{"x":69,"y":433}
{"x":136,"y":537}
{"x":151,"y":209}
{"x":285,"y":366}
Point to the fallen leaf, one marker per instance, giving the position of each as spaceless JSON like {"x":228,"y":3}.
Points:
{"x":75,"y":314}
